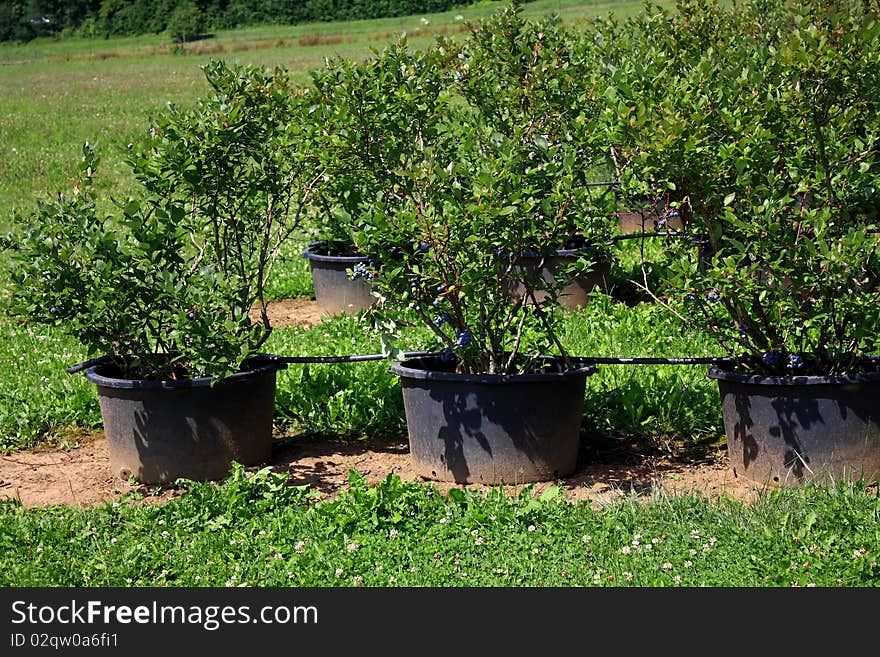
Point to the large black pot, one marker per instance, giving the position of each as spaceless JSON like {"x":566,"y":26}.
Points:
{"x":492,"y":429}
{"x":335,"y":291}
{"x":577,"y":290}
{"x":790,"y":429}
{"x":159,"y":431}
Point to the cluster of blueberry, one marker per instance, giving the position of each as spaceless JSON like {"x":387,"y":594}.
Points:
{"x":442,"y":318}
{"x":662,"y":222}
{"x":361,"y":270}
{"x":774,"y":358}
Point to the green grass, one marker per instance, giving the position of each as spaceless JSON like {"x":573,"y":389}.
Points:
{"x":256,"y":530}
{"x":39,"y":401}
{"x":291,"y":276}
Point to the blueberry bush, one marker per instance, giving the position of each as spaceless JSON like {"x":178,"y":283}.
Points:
{"x":455,"y":172}
{"x":762,"y":120}
{"x":166,"y":286}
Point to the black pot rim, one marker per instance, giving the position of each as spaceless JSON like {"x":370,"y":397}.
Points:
{"x":419,"y":368}
{"x":317,"y":257}
{"x":720,"y":374}
{"x":99,"y":375}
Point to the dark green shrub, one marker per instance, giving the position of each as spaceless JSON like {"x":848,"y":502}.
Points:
{"x":186,"y":23}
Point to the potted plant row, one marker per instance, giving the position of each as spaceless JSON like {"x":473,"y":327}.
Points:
{"x":766,"y":127}
{"x":160,"y":288}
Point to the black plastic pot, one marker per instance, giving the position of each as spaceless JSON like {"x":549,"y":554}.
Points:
{"x":159,"y":431}
{"x":577,"y":290}
{"x":786,"y":430}
{"x":491,"y":429}
{"x":335,"y":292}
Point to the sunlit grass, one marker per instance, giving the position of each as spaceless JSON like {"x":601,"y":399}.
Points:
{"x":256,"y":530}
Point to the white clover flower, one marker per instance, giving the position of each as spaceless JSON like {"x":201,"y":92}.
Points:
{"x":626,"y":549}
{"x":339,"y":572}
{"x":531,"y":528}
{"x":299,"y":547}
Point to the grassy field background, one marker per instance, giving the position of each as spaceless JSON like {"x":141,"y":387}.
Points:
{"x":58,"y":94}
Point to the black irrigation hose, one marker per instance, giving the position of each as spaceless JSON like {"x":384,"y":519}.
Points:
{"x":589,"y":360}
{"x":580,"y":360}
{"x":359,"y":358}
{"x":356,"y":358}
{"x":641,"y":236}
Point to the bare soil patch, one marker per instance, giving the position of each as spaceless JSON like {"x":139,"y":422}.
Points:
{"x":82,"y":476}
{"x":301,"y":311}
